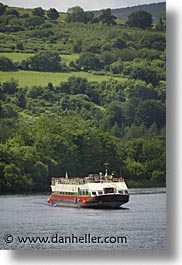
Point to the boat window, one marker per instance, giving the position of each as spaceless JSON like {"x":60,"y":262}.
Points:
{"x":126,"y":192}
{"x":93,"y":192}
{"x":108,"y":190}
{"x":120,"y":191}
{"x":100,"y":192}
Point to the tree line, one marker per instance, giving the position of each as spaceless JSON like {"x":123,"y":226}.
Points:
{"x":38,"y":16}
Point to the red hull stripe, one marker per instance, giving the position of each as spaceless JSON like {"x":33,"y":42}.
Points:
{"x":69,"y":197}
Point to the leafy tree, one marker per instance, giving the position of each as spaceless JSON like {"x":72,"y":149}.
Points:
{"x":15,"y":182}
{"x":119,"y":43}
{"x":38,"y":11}
{"x":2,"y":9}
{"x":53,"y":14}
{"x":45,"y":61}
{"x":140,"y":89}
{"x":75,"y":14}
{"x":20,"y":46}
{"x":140,"y":19}
{"x":21,"y":99}
{"x":6,"y":64}
{"x":40,"y":178}
{"x":151,"y":111}
{"x":106,"y":17}
{"x":88,"y":61}
{"x":154,"y":41}
{"x":161,"y":22}
{"x":116,"y":67}
{"x":35,"y":21}
{"x":10,"y":87}
{"x":13,"y":11}
{"x":9,"y":111}
{"x":89,"y":17}
{"x":145,"y":73}
{"x":74,"y":85}
{"x":77,"y":47}
{"x":113,"y":116}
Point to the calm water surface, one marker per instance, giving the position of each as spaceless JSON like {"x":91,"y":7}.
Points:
{"x":142,"y":222}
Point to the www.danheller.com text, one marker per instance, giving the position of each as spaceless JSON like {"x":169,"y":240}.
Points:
{"x":71,"y":239}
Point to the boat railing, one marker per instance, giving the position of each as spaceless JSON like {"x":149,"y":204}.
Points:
{"x":89,"y":179}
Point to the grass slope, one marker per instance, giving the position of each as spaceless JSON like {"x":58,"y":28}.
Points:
{"x":32,"y":78}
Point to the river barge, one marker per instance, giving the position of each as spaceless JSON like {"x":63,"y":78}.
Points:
{"x":95,"y":191}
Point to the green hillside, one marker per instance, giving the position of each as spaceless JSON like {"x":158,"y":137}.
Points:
{"x":77,"y":90}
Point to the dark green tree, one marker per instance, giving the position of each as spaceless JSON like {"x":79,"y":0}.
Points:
{"x":35,"y":21}
{"x":88,"y":61}
{"x":52,"y":13}
{"x":89,"y":17}
{"x":106,"y":17}
{"x":2,"y":9}
{"x":161,"y":22}
{"x":13,"y":12}
{"x":19,"y":46}
{"x":154,"y":41}
{"x":140,"y":19}
{"x":75,"y":14}
{"x":145,"y":73}
{"x":38,"y":11}
{"x":151,"y":111}
{"x":6,"y":64}
{"x":45,"y":61}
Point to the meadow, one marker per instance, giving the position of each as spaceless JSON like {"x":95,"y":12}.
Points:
{"x":20,"y":56}
{"x":34,"y":78}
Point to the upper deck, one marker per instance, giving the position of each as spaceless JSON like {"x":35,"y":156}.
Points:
{"x":92,"y":178}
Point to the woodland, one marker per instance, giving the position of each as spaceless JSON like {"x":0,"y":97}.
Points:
{"x":101,"y":96}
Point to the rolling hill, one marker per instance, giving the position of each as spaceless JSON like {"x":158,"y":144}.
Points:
{"x":154,"y":9}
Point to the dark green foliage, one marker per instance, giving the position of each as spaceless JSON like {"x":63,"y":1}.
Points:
{"x":46,"y":130}
{"x":12,"y":12}
{"x":119,"y":43}
{"x":161,"y":23}
{"x":2,"y":9}
{"x":77,"y":14}
{"x":150,"y":111}
{"x":38,"y":11}
{"x":145,"y":73}
{"x":106,"y":17}
{"x":19,"y":46}
{"x":34,"y":21}
{"x":140,"y":19}
{"x":52,"y":13}
{"x":6,"y":64}
{"x":154,"y":41}
{"x":88,"y":61}
{"x":116,"y":67}
{"x":45,"y":61}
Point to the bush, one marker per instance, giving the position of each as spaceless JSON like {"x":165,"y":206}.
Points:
{"x":140,"y":19}
{"x":44,"y":61}
{"x":6,"y":64}
{"x":88,"y":61}
{"x":116,"y":67}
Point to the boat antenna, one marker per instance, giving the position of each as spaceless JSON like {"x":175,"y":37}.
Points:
{"x":106,"y":164}
{"x":66,"y":176}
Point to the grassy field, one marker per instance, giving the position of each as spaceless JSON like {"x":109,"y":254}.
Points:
{"x":19,"y":57}
{"x":31,"y":78}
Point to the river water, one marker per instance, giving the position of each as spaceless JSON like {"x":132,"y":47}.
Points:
{"x":139,"y":224}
